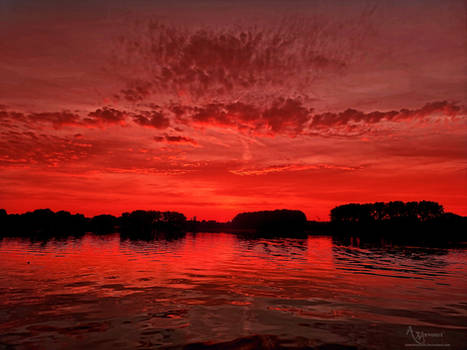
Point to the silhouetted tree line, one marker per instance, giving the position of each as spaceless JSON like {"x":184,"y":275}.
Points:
{"x":45,"y":222}
{"x":147,"y":223}
{"x":208,"y":226}
{"x":422,"y":221}
{"x":271,"y":221}
{"x":42,"y":222}
{"x":379,"y":211}
{"x":397,"y":220}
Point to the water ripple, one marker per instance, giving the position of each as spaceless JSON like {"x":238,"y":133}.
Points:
{"x":218,"y":291}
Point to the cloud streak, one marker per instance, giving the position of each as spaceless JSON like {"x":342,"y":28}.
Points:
{"x":290,"y":167}
{"x":292,"y":117}
{"x":443,"y":109}
{"x":289,"y":117}
{"x":176,"y":139}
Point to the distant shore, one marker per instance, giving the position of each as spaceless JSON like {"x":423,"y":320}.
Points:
{"x":412,"y":221}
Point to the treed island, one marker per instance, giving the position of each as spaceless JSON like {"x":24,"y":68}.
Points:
{"x":423,"y":221}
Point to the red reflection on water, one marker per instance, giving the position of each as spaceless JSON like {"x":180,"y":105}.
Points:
{"x":220,"y":286}
{"x":108,"y":266}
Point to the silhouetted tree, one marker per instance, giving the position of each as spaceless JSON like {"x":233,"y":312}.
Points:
{"x":427,"y":210}
{"x":417,"y":222}
{"x":43,"y":222}
{"x":170,"y":221}
{"x":138,"y":222}
{"x":103,"y":224}
{"x":141,"y":222}
{"x":273,"y":221}
{"x":393,"y":211}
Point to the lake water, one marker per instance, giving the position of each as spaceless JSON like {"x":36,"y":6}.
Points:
{"x":100,"y":292}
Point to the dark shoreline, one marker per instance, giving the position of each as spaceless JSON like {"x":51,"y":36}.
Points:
{"x":421,"y":223}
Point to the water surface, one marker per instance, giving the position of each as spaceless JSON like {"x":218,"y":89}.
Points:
{"x":105,"y":292}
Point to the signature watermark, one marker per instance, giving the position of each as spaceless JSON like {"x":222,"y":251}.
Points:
{"x":428,"y":339}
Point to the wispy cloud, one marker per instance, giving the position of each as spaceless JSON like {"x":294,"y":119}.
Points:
{"x":176,"y":139}
{"x":290,"y":167}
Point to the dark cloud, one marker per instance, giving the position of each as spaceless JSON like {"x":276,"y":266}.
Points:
{"x":10,"y":119}
{"x":293,"y":117}
{"x":154,"y":119}
{"x":137,"y":91}
{"x":99,"y":118}
{"x":57,"y":119}
{"x":348,"y":118}
{"x":287,"y":114}
{"x":283,"y":116}
{"x":284,"y":55}
{"x":106,"y":115}
{"x":176,"y":139}
{"x":29,"y":149}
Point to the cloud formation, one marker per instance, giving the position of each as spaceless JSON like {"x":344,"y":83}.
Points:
{"x":105,"y":115}
{"x":289,"y":117}
{"x":288,"y":168}
{"x":29,"y":149}
{"x":282,"y":116}
{"x":152,"y":119}
{"x":270,"y":59}
{"x":292,"y":117}
{"x":444,"y":109}
{"x":101,"y":117}
{"x":229,"y":103}
{"x":176,"y":139}
{"x":57,"y":120}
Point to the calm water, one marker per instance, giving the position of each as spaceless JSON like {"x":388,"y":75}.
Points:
{"x":104,"y":292}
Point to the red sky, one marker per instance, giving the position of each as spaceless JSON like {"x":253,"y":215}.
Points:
{"x":211,"y":108}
